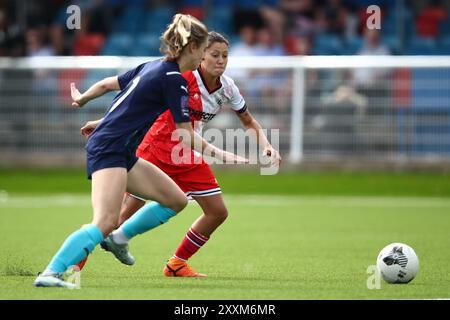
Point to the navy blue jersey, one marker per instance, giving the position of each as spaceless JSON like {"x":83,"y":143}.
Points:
{"x":146,"y":92}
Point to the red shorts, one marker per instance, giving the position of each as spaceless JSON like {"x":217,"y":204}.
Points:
{"x":195,"y":180}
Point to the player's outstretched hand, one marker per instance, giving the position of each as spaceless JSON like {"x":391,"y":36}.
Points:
{"x":275,"y":158}
{"x":76,"y":96}
{"x":88,"y":128}
{"x":229,"y":157}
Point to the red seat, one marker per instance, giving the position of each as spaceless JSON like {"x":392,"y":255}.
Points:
{"x":88,"y":44}
{"x":196,"y":12}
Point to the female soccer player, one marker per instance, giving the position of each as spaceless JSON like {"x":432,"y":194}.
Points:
{"x":145,"y":93}
{"x":209,"y":89}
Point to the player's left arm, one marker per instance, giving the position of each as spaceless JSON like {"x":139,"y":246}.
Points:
{"x":89,"y":127}
{"x":98,"y":89}
{"x":249,"y":122}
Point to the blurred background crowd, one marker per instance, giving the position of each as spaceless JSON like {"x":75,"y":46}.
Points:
{"x":254,"y":27}
{"x":385,"y":112}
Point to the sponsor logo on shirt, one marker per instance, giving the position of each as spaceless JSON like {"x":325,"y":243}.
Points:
{"x":200,"y":115}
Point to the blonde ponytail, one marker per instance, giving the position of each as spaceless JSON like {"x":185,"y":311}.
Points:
{"x":182,"y":30}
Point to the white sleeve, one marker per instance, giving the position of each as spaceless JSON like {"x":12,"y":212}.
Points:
{"x":236,"y":100}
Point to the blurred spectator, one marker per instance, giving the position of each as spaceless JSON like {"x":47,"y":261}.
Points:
{"x":246,"y":46}
{"x":364,"y":77}
{"x":428,"y":19}
{"x":267,"y":45}
{"x":11,"y":35}
{"x":298,"y":44}
{"x":299,"y":16}
{"x":335,"y":17}
{"x":269,"y":85}
{"x":37,"y":42}
{"x":44,"y":81}
{"x":275,"y":21}
{"x":97,"y":20}
{"x":365,"y":86}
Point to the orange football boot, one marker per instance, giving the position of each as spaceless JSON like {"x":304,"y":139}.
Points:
{"x":177,"y":268}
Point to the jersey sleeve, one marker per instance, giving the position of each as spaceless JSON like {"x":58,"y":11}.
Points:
{"x":176,"y":97}
{"x":237,"y":102}
{"x":126,"y":77}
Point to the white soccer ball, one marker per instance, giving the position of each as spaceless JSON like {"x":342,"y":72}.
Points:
{"x":398,"y":263}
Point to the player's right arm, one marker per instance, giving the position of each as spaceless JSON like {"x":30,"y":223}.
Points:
{"x":176,"y":97}
{"x":98,"y":89}
{"x":103,"y":86}
{"x":194,"y":141}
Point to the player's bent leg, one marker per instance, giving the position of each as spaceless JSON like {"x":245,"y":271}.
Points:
{"x":108,"y":188}
{"x":76,"y":247}
{"x":107,"y":185}
{"x":170,"y":200}
{"x":130,"y":205}
{"x":214,"y":214}
{"x":162,"y":189}
{"x":113,"y":243}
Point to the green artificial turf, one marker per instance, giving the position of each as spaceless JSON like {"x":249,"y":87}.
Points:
{"x":293,"y":183}
{"x":271,"y":247}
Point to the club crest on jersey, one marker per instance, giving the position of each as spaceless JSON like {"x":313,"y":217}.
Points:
{"x":196,"y":96}
{"x":219,"y":101}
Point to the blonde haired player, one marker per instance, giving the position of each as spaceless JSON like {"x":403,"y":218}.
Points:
{"x":209,"y":91}
{"x":145,"y":93}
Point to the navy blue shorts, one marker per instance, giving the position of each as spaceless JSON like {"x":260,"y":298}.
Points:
{"x":109,"y":160}
{"x":106,"y":152}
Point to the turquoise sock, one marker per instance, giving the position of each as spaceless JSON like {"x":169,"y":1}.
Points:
{"x":148,"y":217}
{"x":76,"y":247}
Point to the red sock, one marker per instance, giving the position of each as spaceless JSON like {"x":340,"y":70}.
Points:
{"x":190,"y":245}
{"x":81,"y":264}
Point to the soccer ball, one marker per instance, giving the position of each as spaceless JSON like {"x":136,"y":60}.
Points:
{"x":398,"y":263}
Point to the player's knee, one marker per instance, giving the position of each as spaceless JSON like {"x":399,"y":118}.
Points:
{"x":221,"y":214}
{"x":106,"y":226}
{"x":176,"y":203}
{"x":179,"y":204}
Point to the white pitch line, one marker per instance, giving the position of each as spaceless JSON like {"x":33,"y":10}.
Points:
{"x":341,"y":201}
{"x":68,"y":200}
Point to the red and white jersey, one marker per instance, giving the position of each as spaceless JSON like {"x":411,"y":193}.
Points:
{"x":204,"y":104}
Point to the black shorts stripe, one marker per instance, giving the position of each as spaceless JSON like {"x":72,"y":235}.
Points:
{"x":203,"y":193}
